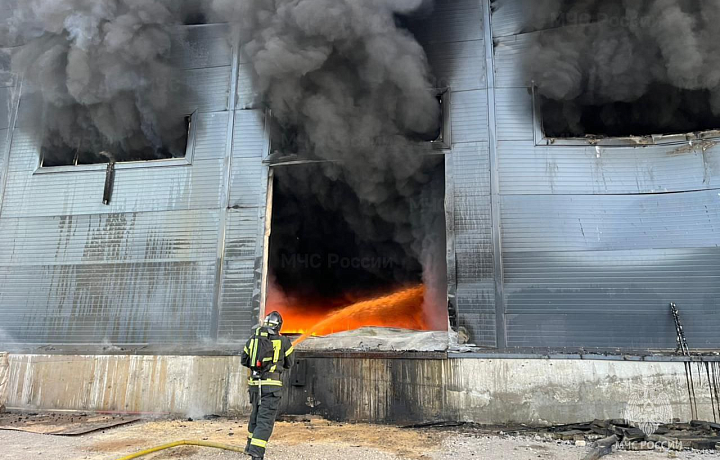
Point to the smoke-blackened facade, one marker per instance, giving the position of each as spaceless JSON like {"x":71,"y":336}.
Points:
{"x":573,"y":246}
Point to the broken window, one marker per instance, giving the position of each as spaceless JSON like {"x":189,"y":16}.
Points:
{"x":89,"y":147}
{"x":441,"y":139}
{"x":663,"y":110}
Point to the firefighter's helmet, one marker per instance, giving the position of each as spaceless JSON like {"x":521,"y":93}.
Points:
{"x":274,"y":322}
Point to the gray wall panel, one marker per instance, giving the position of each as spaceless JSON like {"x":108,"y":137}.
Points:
{"x":475,"y":292}
{"x":5,"y":107}
{"x":611,"y":223}
{"x":476,"y":305}
{"x":510,"y":56}
{"x":239,"y":273}
{"x":510,"y":16}
{"x":526,"y":169}
{"x":469,"y":114}
{"x":122,"y":278}
{"x":107,"y":238}
{"x":201,"y":46}
{"x":514,"y":114}
{"x":140,"y":189}
{"x":459,"y":65}
{"x":141,"y":270}
{"x":450,"y":21}
{"x":613,"y":298}
{"x":113,"y":303}
{"x":206,"y":90}
{"x":211,"y":136}
{"x":3,"y":145}
{"x":247,"y":97}
{"x":249,"y":148}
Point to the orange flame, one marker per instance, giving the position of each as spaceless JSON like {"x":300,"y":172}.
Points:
{"x":402,"y":309}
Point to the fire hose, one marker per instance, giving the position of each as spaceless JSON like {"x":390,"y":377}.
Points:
{"x":214,"y":445}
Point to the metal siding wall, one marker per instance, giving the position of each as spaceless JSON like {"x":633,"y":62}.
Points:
{"x":453,"y":39}
{"x":5,"y":107}
{"x":122,"y":278}
{"x":593,"y":253}
{"x":141,"y":270}
{"x":244,"y":239}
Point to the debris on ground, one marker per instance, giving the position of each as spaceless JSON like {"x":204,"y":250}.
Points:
{"x":314,"y":438}
{"x":61,"y":423}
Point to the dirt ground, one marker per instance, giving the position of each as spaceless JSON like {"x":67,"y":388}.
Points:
{"x":310,"y":440}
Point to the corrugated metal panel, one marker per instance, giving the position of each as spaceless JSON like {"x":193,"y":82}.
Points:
{"x":476,"y":305}
{"x":510,"y":57}
{"x":25,"y":149}
{"x":475,"y":295}
{"x":201,"y":46}
{"x":108,"y":238}
{"x":469,"y":114}
{"x":141,"y":270}
{"x":244,"y":240}
{"x":248,"y":97}
{"x":249,"y":145}
{"x":612,"y":299}
{"x":450,"y":21}
{"x":611,"y":223}
{"x":239,"y":273}
{"x":140,"y":189}
{"x":211,"y":136}
{"x":526,"y":169}
{"x":509,"y":17}
{"x":600,"y":271}
{"x":514,"y":114}
{"x":123,"y":278}
{"x":3,"y":143}
{"x":5,"y":107}
{"x":206,"y":90}
{"x":458,"y":65}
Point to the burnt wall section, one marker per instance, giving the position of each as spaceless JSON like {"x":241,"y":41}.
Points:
{"x":142,"y":269}
{"x":242,"y":271}
{"x":597,"y":241}
{"x":453,"y":37}
{"x":8,"y":102}
{"x":411,"y":390}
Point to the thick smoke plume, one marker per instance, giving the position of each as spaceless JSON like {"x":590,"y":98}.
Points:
{"x":347,"y":83}
{"x":344,"y":80}
{"x":100,"y":69}
{"x":626,"y":66}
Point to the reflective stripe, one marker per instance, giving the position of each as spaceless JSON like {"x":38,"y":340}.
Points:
{"x":277,"y":348}
{"x":271,"y":382}
{"x":259,"y":443}
{"x":253,"y":347}
{"x":289,"y":351}
{"x":250,"y":436}
{"x":247,"y":352}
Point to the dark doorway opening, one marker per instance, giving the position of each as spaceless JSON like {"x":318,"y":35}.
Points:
{"x":330,"y":249}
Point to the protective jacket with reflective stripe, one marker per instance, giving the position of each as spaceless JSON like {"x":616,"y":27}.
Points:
{"x":283,"y":359}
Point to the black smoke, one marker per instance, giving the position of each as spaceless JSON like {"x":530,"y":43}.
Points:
{"x":347,"y":83}
{"x":625,"y":67}
{"x":100,"y":70}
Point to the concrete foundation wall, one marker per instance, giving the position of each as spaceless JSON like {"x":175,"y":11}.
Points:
{"x":534,"y":391}
{"x":183,"y":385}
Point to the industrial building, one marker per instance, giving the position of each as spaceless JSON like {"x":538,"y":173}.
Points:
{"x":131,"y":287}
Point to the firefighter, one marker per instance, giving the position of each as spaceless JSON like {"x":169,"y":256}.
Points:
{"x":267,"y":354}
